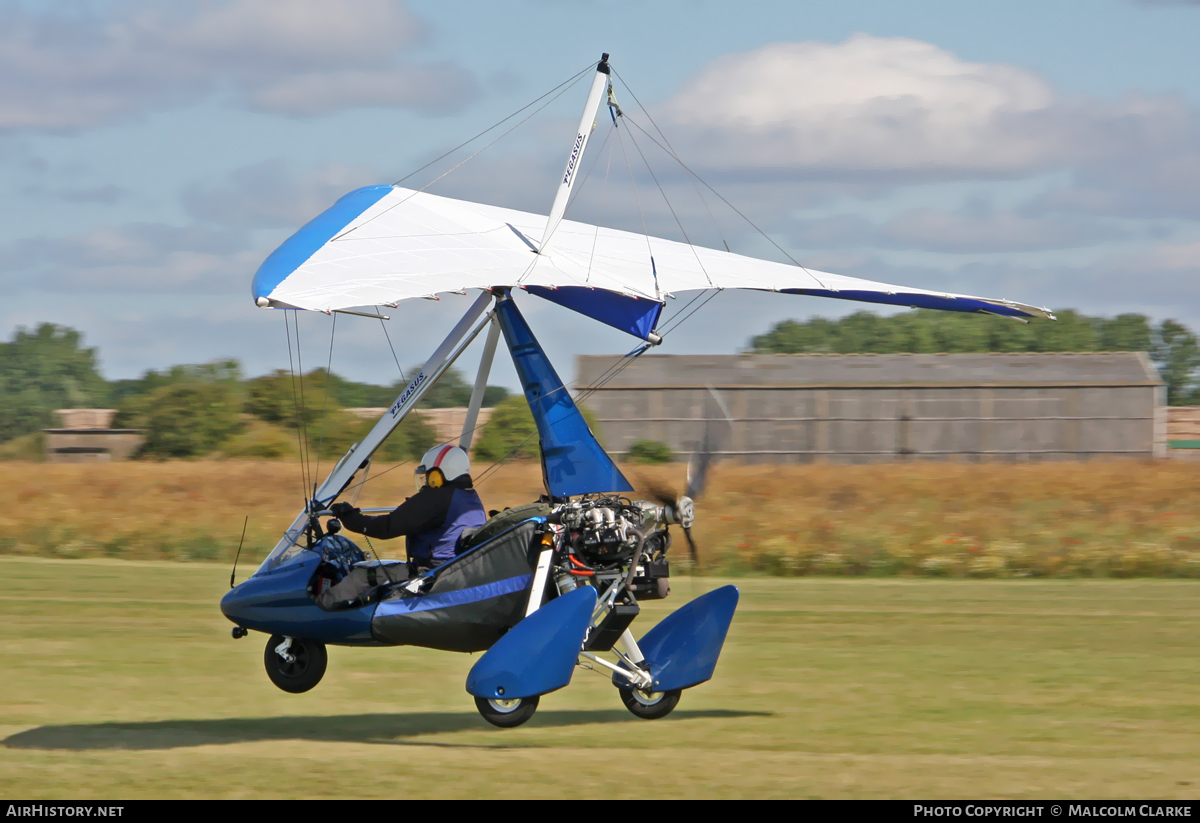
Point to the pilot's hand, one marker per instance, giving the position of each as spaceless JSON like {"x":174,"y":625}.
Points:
{"x":342,"y":508}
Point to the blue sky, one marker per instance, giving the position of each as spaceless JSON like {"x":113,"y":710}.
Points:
{"x":152,"y":154}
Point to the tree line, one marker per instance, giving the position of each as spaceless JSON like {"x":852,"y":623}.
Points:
{"x":191,"y":410}
{"x":1172,"y":346}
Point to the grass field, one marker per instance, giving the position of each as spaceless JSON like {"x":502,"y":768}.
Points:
{"x":1099,"y":519}
{"x":120,"y":680}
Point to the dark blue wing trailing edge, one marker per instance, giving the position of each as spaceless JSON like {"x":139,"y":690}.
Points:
{"x":635,"y":315}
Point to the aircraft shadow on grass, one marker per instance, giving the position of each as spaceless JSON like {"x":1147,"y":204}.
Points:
{"x":384,"y":729}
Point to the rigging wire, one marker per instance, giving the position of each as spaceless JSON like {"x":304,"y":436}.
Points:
{"x":689,"y":314}
{"x":584,"y":394}
{"x":637,"y":199}
{"x":600,"y":382}
{"x":671,"y":208}
{"x":390,"y":346}
{"x":325,"y":402}
{"x":499,"y":123}
{"x":450,"y":171}
{"x":672,"y":323}
{"x":752,"y":224}
{"x":600,"y":212}
{"x":691,"y":177}
{"x":698,"y":295}
{"x":296,"y":409}
{"x":303,"y":414}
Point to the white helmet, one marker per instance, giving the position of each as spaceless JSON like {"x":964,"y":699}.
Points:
{"x":442,"y":464}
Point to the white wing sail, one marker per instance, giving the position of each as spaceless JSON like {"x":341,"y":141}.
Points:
{"x":383,"y":244}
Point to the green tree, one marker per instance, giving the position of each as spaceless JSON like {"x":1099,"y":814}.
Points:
{"x":353,"y":395}
{"x":318,"y":403}
{"x":188,"y":419}
{"x":452,"y":390}
{"x":1177,"y":354}
{"x":408,"y":441}
{"x":510,"y":426}
{"x":1173,"y":347}
{"x":650,"y":452}
{"x":933,"y":331}
{"x":44,"y":370}
{"x":1126,"y":332}
{"x":293,"y":401}
{"x":274,"y":397}
{"x":153,"y":380}
{"x":186,"y":410}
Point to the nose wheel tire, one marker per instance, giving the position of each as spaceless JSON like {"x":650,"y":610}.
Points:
{"x":650,"y":705}
{"x":507,"y":714}
{"x":303,"y":671}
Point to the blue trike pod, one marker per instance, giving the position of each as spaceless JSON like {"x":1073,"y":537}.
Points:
{"x":682,"y":650}
{"x":537,"y":655}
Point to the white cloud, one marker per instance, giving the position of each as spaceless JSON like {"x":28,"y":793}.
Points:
{"x":1161,"y":282}
{"x":1152,"y":167}
{"x":974,"y":229}
{"x":106,"y":194}
{"x":139,"y":258}
{"x":1184,"y":257}
{"x":936,"y":230}
{"x":870,"y":105}
{"x":438,"y":88}
{"x":295,"y":32}
{"x":895,"y":110}
{"x":298,"y":57}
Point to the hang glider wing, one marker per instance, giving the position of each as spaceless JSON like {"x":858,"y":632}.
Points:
{"x":383,"y":244}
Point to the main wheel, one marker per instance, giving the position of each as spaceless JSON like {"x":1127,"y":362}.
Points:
{"x":507,"y":714}
{"x":307,"y":667}
{"x":650,"y":705}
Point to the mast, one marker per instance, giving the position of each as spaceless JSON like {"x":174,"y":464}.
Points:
{"x":575,"y":157}
{"x":459,"y":338}
{"x":481,"y":378}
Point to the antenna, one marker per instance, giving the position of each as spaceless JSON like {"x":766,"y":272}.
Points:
{"x":239,"y":551}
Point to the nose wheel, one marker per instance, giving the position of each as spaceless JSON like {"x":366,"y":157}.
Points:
{"x":295,"y":665}
{"x":650,"y":705}
{"x":506,"y":714}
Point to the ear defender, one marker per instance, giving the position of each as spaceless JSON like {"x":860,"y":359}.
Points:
{"x":435,"y":479}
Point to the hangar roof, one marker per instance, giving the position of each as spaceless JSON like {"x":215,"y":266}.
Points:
{"x":908,"y":370}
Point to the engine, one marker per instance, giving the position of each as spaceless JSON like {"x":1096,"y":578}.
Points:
{"x":604,"y":531}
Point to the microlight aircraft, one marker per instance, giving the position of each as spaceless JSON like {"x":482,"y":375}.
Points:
{"x":545,"y":588}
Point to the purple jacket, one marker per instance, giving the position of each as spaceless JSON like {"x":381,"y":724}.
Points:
{"x":432,"y":519}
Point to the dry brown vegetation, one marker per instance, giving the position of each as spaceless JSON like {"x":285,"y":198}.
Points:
{"x":1119,"y":519}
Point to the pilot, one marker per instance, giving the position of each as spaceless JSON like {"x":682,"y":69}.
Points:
{"x":434,"y":518}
